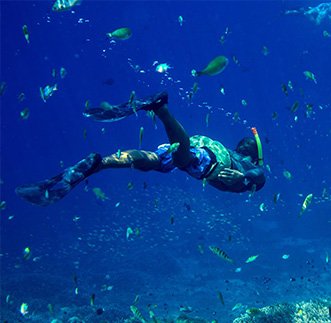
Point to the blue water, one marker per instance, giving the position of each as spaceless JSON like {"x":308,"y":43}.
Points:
{"x":168,"y":265}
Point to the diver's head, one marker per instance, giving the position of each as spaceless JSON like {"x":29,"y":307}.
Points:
{"x":248,"y":147}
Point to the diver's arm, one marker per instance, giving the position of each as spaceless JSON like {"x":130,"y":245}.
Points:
{"x":229,"y":180}
{"x":230,"y":176}
{"x":256,"y":177}
{"x":233,"y":180}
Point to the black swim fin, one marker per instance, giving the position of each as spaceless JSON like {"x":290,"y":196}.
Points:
{"x":110,"y":113}
{"x":51,"y":190}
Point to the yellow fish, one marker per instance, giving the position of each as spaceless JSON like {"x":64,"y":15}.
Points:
{"x":100,"y":195}
{"x":24,"y":309}
{"x":121,"y":33}
{"x":287,"y":174}
{"x":207,"y":119}
{"x":26,"y":33}
{"x":137,"y":314}
{"x":253,"y":311}
{"x":129,"y":232}
{"x":306,"y":203}
{"x":26,"y":253}
{"x":204,"y":183}
{"x":215,"y":66}
{"x":251,"y":259}
{"x":50,"y":309}
{"x":180,"y":20}
{"x":63,"y":72}
{"x":92,"y":300}
{"x":25,"y":113}
{"x":132,"y":102}
{"x":310,"y":76}
{"x":220,"y":253}
{"x":194,"y":90}
{"x":62,"y":5}
{"x":130,"y":186}
{"x":326,"y":34}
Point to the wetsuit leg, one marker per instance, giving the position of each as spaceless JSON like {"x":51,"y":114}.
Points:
{"x":176,"y":133}
{"x":51,"y":190}
{"x":138,"y":159}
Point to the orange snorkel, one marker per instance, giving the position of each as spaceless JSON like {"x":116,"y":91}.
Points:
{"x":259,"y":146}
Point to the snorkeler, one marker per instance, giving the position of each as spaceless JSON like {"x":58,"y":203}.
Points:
{"x":201,"y":157}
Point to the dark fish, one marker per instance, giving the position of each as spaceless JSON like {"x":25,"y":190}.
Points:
{"x":3,"y":86}
{"x":295,"y":107}
{"x":220,"y":296}
{"x":92,"y":299}
{"x":99,"y":311}
{"x":86,"y":185}
{"x":309,"y":110}
{"x":276,"y":197}
{"x":284,"y":89}
{"x":187,"y":206}
{"x":75,"y":279}
{"x":193,"y":91}
{"x":109,"y":82}
{"x":235,"y":116}
{"x":236,"y":60}
{"x":274,"y":115}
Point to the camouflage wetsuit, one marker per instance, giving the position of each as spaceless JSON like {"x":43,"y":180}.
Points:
{"x":210,"y":158}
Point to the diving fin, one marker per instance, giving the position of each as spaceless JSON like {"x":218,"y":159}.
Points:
{"x":110,"y":113}
{"x":51,"y":190}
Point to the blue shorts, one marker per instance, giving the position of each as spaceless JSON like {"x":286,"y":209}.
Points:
{"x":199,"y":166}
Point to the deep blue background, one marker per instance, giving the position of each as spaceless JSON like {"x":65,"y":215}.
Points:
{"x":32,"y":149}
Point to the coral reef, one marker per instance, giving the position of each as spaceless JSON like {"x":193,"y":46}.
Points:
{"x":313,"y":311}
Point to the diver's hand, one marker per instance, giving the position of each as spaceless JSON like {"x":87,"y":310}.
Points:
{"x":230,"y":176}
